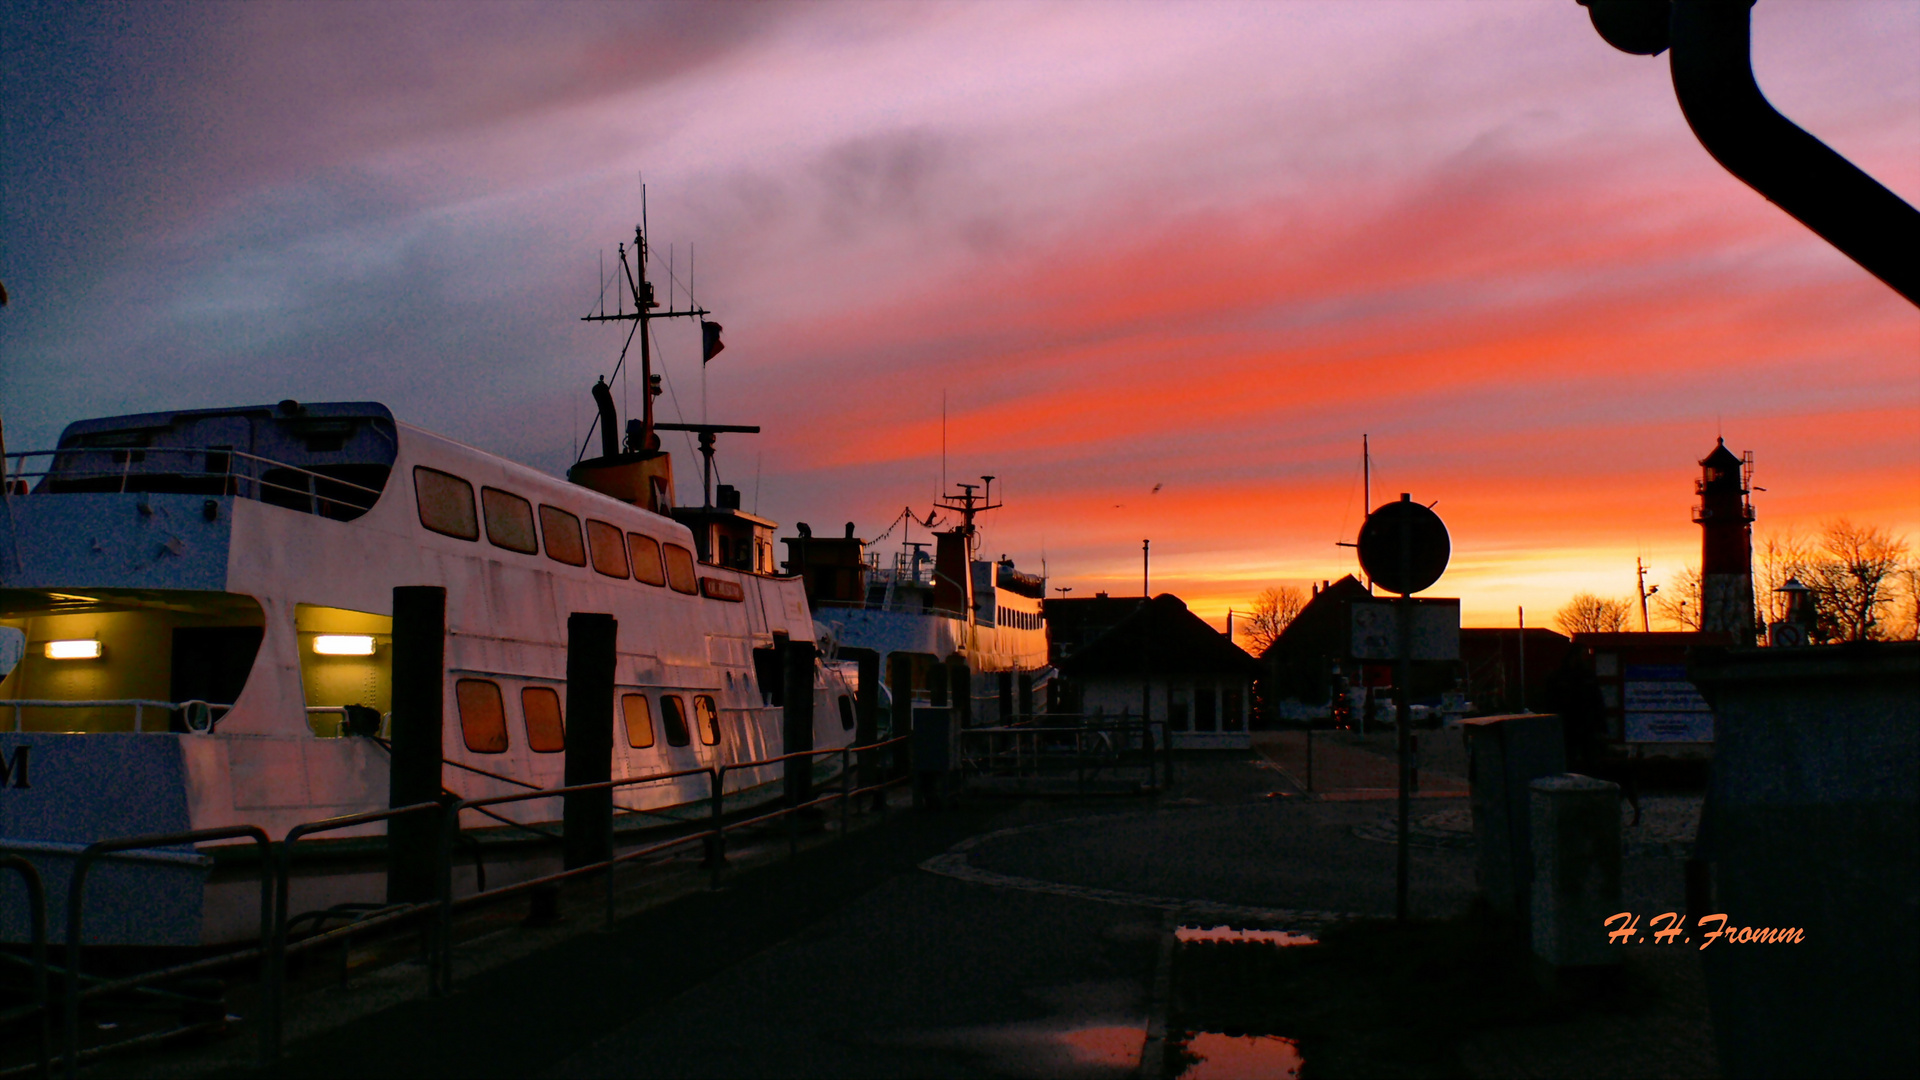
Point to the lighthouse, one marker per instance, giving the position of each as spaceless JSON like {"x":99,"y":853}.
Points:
{"x":1725,"y":517}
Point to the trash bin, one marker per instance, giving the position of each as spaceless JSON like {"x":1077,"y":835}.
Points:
{"x":1504,"y":755}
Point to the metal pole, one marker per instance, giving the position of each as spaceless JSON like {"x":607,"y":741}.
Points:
{"x":846,"y":785}
{"x":610,"y":811}
{"x":1523,"y":659}
{"x":1309,"y":753}
{"x":717,"y":843}
{"x":1403,"y":676}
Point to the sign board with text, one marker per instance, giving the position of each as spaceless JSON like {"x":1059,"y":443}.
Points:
{"x":1660,"y":705}
{"x":1375,"y":629}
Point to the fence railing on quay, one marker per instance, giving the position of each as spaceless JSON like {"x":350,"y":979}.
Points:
{"x":1040,"y":744}
{"x":39,"y":1008}
{"x":76,"y":914}
{"x":277,"y":870}
{"x":713,"y":836}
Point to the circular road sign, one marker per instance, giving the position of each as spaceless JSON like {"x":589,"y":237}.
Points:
{"x":1404,"y":547}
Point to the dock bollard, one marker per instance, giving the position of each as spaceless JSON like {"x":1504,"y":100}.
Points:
{"x":1576,"y":869}
{"x":414,"y":772}
{"x":587,"y":816}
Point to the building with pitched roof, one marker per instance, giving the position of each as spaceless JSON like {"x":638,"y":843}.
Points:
{"x":1164,"y":661}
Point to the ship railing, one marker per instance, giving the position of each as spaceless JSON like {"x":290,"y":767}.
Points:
{"x":39,"y":1008}
{"x":1056,"y":742}
{"x":198,"y":715}
{"x":227,"y":480}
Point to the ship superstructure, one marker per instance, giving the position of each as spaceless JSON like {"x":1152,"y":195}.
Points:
{"x":206,"y":601}
{"x":978,"y":621}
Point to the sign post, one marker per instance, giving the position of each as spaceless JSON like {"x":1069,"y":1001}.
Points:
{"x":1404,"y":548}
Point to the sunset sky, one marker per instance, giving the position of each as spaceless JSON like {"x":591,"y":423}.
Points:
{"x":1196,"y":246}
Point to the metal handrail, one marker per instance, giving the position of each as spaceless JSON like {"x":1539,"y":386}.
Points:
{"x":1120,"y":726}
{"x":277,"y":944}
{"x":441,"y":967}
{"x":21,"y":473}
{"x":76,"y":911}
{"x":37,"y":922}
{"x":139,"y":705}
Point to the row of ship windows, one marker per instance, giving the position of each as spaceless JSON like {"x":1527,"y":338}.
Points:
{"x":483,"y":718}
{"x":446,"y":506}
{"x":1023,"y":620}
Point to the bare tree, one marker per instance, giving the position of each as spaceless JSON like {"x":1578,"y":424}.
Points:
{"x":1853,"y":578}
{"x":1906,"y":604}
{"x":1587,"y":613}
{"x":1272,"y":610}
{"x":1678,"y":602}
{"x":1782,"y":556}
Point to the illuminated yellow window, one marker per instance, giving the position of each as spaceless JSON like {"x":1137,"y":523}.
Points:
{"x":562,"y":531}
{"x":707,"y":719}
{"x":680,"y":575}
{"x":646,"y":559}
{"x":673,"y":716}
{"x":609,"y":551}
{"x":509,"y":521}
{"x":546,"y":734}
{"x":639,"y":720}
{"x":446,"y":503}
{"x":483,"y":716}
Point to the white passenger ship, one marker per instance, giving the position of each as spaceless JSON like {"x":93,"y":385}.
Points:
{"x":975,"y":627}
{"x":206,"y":602}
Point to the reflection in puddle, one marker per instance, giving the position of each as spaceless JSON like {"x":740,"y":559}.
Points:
{"x":1038,"y":1050}
{"x":1100,"y":1046}
{"x":1240,"y":1057}
{"x":1192,"y":934}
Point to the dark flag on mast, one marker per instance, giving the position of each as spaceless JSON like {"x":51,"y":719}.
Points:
{"x":710,"y":345}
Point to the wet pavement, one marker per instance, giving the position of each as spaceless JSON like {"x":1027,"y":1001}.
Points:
{"x":1000,"y":938}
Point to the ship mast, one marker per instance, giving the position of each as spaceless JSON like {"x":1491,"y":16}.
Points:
{"x":967,"y":504}
{"x":644,"y":312}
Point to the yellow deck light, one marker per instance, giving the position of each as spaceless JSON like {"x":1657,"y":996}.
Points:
{"x":343,"y":644}
{"x":73,"y":650}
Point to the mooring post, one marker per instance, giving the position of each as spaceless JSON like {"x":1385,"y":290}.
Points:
{"x":413,"y":772}
{"x":900,"y":682}
{"x":587,"y":816}
{"x":797,"y":721}
{"x":866,"y":723}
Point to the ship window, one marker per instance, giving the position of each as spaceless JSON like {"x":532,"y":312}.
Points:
{"x":673,"y":716}
{"x":707,"y":719}
{"x":846,"y":713}
{"x":639,"y":718}
{"x":546,"y":733}
{"x":446,"y":503}
{"x":562,"y":531}
{"x":509,"y":521}
{"x":680,"y":573}
{"x":646,"y":559}
{"x":609,"y":551}
{"x":483,"y":716}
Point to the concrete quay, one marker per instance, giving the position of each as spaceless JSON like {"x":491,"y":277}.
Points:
{"x":1001,"y":937}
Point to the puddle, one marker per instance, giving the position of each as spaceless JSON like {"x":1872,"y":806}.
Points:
{"x":1038,"y":1050}
{"x":1214,"y":1056}
{"x":1118,"y":1047}
{"x":1192,"y":934}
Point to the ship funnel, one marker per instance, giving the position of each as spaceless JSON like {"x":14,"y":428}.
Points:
{"x":609,"y":420}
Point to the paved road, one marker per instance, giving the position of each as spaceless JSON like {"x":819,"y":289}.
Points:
{"x":1028,"y":951}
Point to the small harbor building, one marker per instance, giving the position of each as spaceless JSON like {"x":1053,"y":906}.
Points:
{"x":1164,"y":660}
